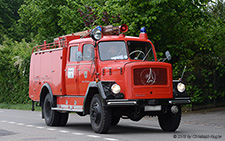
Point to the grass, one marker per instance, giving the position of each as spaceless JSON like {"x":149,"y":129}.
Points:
{"x":18,"y":106}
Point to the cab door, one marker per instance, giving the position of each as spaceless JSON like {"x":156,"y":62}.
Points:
{"x":71,"y":75}
{"x":86,"y":68}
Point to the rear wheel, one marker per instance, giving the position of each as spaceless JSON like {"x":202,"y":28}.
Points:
{"x":53,"y":118}
{"x":63,"y":119}
{"x":100,"y":116}
{"x":168,"y":121}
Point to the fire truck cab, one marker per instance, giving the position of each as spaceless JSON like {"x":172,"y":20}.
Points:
{"x":107,"y":75}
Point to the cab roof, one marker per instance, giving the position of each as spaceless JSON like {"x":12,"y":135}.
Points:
{"x":120,"y":37}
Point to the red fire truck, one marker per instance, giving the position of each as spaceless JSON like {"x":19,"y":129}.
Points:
{"x":107,"y":75}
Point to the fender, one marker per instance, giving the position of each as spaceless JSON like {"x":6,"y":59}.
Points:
{"x":45,"y":89}
{"x":99,"y":86}
{"x":93,"y":88}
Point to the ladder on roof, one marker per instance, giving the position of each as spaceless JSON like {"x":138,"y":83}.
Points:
{"x":62,"y":41}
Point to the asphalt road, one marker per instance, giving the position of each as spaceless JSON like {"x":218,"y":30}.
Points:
{"x":18,"y":125}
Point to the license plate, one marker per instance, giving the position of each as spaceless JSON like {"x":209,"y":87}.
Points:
{"x":153,"y":108}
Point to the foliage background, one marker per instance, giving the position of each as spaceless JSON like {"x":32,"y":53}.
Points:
{"x":192,"y":30}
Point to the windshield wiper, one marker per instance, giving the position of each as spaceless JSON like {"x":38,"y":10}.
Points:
{"x":147,"y":54}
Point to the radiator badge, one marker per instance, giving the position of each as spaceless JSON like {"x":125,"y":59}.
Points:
{"x":151,"y":77}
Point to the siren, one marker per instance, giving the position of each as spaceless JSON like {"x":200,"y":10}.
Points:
{"x":123,"y":28}
{"x":114,"y":30}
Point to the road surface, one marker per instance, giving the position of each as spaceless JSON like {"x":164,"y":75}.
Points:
{"x":19,"y":125}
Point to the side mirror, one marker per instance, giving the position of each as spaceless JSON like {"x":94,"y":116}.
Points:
{"x":79,"y":56}
{"x":168,"y":56}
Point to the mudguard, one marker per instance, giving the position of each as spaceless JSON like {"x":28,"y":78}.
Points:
{"x":45,"y":89}
{"x":93,"y":88}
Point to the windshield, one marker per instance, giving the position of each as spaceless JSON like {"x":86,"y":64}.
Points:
{"x":116,"y":50}
{"x":140,"y":50}
{"x":113,"y":50}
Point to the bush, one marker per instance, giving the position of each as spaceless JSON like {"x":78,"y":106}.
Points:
{"x":14,"y":75}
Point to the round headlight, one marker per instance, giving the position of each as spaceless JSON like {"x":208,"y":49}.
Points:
{"x":96,"y":33}
{"x":115,"y":88}
{"x":181,"y":87}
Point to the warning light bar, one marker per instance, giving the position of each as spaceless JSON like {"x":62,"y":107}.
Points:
{"x":114,"y":30}
{"x":106,"y":30}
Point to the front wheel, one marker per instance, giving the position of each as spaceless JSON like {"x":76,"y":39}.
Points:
{"x":115,"y":118}
{"x":100,"y":116}
{"x":168,"y":121}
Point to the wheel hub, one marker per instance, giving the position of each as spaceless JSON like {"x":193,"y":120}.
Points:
{"x":96,"y":113}
{"x":48,"y":109}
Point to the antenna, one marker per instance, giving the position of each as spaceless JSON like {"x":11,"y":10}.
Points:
{"x":182,"y":73}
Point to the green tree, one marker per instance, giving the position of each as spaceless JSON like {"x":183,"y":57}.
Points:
{"x":8,"y":18}
{"x":41,"y":18}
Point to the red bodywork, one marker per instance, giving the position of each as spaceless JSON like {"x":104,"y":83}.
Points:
{"x":69,"y":81}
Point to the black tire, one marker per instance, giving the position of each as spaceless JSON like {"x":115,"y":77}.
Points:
{"x":169,"y":122}
{"x":52,"y":118}
{"x":115,"y":119}
{"x":100,"y":116}
{"x":63,"y":119}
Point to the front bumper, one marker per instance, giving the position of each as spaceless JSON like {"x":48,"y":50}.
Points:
{"x":121,"y":102}
{"x":183,"y":100}
{"x":145,"y":102}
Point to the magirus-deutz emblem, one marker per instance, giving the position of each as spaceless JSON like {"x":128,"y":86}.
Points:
{"x":148,"y":76}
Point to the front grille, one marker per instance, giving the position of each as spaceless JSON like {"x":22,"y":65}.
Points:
{"x":150,"y":76}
